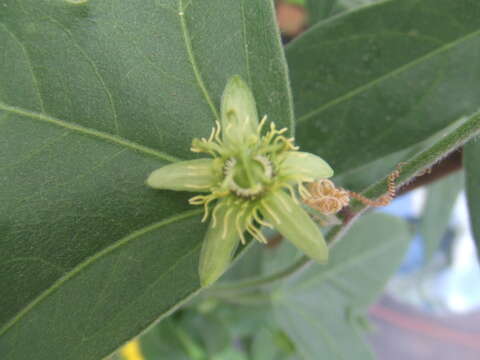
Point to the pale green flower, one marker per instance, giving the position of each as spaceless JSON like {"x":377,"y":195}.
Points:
{"x":248,"y":183}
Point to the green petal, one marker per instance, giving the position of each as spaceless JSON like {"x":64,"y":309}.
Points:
{"x":194,"y":175}
{"x":305,"y":164}
{"x":294,"y":223}
{"x":219,"y":244}
{"x":239,"y":111}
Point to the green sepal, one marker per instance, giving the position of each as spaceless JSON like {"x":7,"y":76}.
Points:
{"x":306,"y":165}
{"x":295,"y":225}
{"x":193,"y":175}
{"x":220,"y":243}
{"x":239,"y":116}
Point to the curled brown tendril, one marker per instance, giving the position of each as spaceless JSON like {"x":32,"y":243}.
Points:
{"x":328,"y":199}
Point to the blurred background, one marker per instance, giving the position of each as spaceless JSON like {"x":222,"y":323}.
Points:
{"x":431,"y":307}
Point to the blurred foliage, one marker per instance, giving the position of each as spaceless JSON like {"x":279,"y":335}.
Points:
{"x":273,"y":323}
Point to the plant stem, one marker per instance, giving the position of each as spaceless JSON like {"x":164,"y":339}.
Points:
{"x":331,"y":237}
{"x":257,"y":282}
{"x":194,"y":351}
{"x":425,"y":159}
{"x":242,"y":299}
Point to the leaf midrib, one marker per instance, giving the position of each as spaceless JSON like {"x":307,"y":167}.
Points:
{"x":386,"y":76}
{"x":191,"y":57}
{"x":88,"y":131}
{"x":91,"y":260}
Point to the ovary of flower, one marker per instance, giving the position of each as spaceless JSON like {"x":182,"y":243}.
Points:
{"x":246,"y":182}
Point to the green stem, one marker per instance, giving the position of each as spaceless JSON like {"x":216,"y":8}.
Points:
{"x":425,"y":159}
{"x":248,"y":300}
{"x":257,"y":282}
{"x":331,"y":237}
{"x":193,"y":350}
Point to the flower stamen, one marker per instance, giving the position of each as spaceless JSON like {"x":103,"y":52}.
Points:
{"x":214,"y":214}
{"x":262,"y":123}
{"x":262,"y":222}
{"x":237,"y":223}
{"x":292,"y":193}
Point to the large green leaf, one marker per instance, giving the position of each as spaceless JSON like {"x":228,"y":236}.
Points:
{"x":94,"y":95}
{"x":384,"y":77}
{"x":320,"y":309}
{"x":472,"y":171}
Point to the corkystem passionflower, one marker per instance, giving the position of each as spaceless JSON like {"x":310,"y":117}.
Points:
{"x":248,"y":183}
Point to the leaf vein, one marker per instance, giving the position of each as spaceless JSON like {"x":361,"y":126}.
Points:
{"x":96,"y":72}
{"x":327,"y":337}
{"x":87,"y":131}
{"x":245,"y":41}
{"x":30,"y":155}
{"x":75,"y":271}
{"x":387,"y":76}
{"x":196,"y":71}
{"x":186,"y":255}
{"x":29,"y":62}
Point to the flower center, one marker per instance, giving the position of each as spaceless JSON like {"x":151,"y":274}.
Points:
{"x":247,"y":177}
